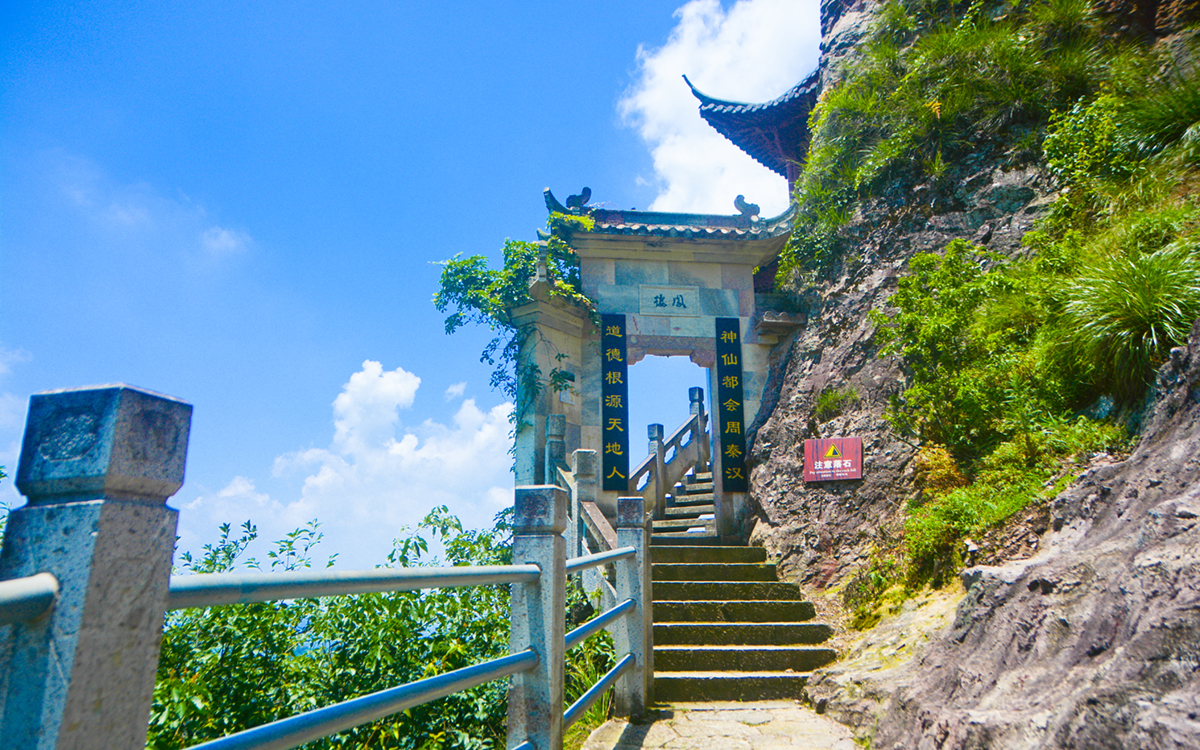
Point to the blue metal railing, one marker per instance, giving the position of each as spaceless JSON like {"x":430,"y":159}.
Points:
{"x":85,"y":518}
{"x":215,"y":589}
{"x":28,"y":598}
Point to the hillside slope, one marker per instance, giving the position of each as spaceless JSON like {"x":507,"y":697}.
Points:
{"x":1086,"y":631}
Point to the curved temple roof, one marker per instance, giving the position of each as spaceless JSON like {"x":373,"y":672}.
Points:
{"x":743,"y":226}
{"x":775,"y":133}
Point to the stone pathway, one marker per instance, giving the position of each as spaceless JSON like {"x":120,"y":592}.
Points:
{"x":759,"y":725}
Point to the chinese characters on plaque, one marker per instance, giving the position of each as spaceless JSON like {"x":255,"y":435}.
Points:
{"x":614,"y":404}
{"x":675,"y":301}
{"x":730,"y":420}
{"x":832,"y":458}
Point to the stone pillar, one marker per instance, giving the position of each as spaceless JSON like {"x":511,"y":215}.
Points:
{"x":97,"y":466}
{"x":696,"y":408}
{"x":556,"y":446}
{"x":656,"y":487}
{"x":535,"y":697}
{"x":550,"y":333}
{"x":635,"y":634}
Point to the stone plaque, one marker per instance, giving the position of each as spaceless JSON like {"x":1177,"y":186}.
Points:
{"x":678,"y":301}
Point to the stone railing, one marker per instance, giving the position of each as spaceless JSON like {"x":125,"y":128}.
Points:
{"x":671,"y":459}
{"x":85,"y":578}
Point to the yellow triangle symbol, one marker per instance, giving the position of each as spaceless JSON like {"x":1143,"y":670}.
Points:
{"x":833,"y":451}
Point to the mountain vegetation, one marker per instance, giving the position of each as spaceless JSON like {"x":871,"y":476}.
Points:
{"x":1022,"y":366}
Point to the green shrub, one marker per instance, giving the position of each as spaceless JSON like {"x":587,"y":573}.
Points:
{"x":832,"y":402}
{"x":1129,"y":311}
{"x":225,"y":669}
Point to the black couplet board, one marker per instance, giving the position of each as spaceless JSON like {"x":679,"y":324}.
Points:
{"x":730,"y":419}
{"x":614,"y":403}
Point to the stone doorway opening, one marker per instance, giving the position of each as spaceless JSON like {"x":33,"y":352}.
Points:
{"x":658,"y":394}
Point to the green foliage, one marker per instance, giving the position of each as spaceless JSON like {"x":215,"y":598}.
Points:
{"x":936,"y":81}
{"x":957,"y":387}
{"x":1011,"y":477}
{"x":224,"y":669}
{"x":1128,"y":311}
{"x":473,"y":292}
{"x":832,"y":402}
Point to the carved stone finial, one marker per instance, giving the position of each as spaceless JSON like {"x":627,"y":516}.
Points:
{"x":744,"y":208}
{"x":577,"y":202}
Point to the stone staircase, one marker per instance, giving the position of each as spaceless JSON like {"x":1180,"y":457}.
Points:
{"x":725,"y":628}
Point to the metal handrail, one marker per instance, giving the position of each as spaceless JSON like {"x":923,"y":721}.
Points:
{"x":598,"y":623}
{"x":24,"y":599}
{"x":297,"y":730}
{"x":579,"y":707}
{"x":600,"y":558}
{"x":212,"y":589}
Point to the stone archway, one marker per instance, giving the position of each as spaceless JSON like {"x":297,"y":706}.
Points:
{"x":673,"y":279}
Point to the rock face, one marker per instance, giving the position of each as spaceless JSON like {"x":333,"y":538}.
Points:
{"x":821,"y":532}
{"x":1095,"y":642}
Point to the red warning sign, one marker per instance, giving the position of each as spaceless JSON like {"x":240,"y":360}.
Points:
{"x":830,"y":459}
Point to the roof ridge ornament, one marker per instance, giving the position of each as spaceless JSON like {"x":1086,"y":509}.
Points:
{"x":749,"y":210}
{"x":577,"y":202}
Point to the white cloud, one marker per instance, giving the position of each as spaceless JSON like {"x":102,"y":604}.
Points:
{"x":377,"y":475}
{"x":456,"y":391}
{"x":753,"y":52}
{"x":136,"y":215}
{"x":10,"y":357}
{"x":221,"y":241}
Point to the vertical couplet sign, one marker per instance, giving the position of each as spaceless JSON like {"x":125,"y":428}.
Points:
{"x":614,"y":403}
{"x":730,"y":421}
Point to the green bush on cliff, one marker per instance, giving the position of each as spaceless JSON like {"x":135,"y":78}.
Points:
{"x":1005,"y":353}
{"x":936,"y":81}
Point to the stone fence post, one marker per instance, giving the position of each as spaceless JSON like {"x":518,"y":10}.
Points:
{"x":657,"y":486}
{"x":635,"y":635}
{"x":556,"y":447}
{"x":97,"y":466}
{"x":696,"y":408}
{"x":535,"y":697}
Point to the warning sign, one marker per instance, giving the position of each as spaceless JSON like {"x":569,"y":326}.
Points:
{"x":831,"y":459}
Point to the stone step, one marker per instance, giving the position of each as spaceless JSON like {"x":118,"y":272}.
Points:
{"x":691,"y":511}
{"x":744,"y":611}
{"x":741,"y":658}
{"x":740,"y":633}
{"x":682,"y":524}
{"x":690,"y":501}
{"x":693,"y":488}
{"x":698,"y":477}
{"x":685,"y":539}
{"x":722,"y":591}
{"x":707,"y":554}
{"x":676,"y":687}
{"x":713,"y":572}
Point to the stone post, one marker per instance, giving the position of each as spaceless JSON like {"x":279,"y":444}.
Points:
{"x":635,"y":634}
{"x":696,"y":408}
{"x":657,"y":486}
{"x":556,"y":446}
{"x":97,"y":466}
{"x":535,"y":697}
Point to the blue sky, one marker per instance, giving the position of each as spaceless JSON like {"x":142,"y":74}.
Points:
{"x":243,"y":205}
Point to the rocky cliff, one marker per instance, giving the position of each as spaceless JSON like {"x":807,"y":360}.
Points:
{"x":822,"y":532}
{"x":1088,"y":634}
